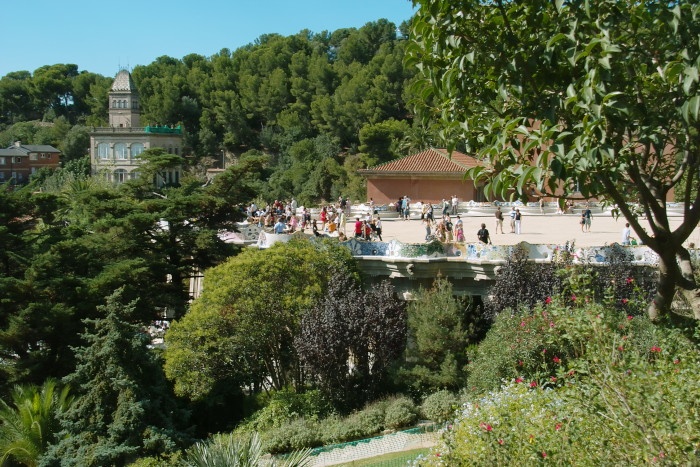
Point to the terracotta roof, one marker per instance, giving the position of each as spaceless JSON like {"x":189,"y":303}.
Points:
{"x":428,"y":161}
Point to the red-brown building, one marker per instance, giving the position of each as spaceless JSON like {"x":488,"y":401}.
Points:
{"x":429,"y":176}
{"x":20,"y":161}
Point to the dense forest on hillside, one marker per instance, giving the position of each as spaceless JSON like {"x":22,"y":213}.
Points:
{"x":316,"y":107}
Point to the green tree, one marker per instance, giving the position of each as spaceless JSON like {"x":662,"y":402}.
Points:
{"x":124,"y":407}
{"x":436,"y":355}
{"x":31,"y":422}
{"x":381,"y":141}
{"x":245,"y":321}
{"x":597,"y":96}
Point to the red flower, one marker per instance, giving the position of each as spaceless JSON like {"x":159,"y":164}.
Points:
{"x":558,"y":426}
{"x":620,"y":348}
{"x":676,"y":362}
{"x":655,"y":349}
{"x":520,"y":363}
{"x":500,"y":441}
{"x":630,"y":317}
{"x":522,"y":324}
{"x":519,"y":380}
{"x":630,"y":280}
{"x":544,"y":350}
{"x":624,"y":301}
{"x":573,"y":298}
{"x":486,"y":426}
{"x":533,"y":384}
{"x":556,"y":360}
{"x":548,"y":300}
{"x":553,"y":378}
{"x":544,"y":454}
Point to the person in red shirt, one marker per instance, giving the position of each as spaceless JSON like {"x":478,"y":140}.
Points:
{"x":358,"y":227}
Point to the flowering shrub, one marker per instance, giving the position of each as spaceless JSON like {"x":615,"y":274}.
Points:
{"x":535,"y":347}
{"x":624,"y":392}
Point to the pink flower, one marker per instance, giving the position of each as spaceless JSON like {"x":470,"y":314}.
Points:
{"x":553,"y":378}
{"x":548,"y":300}
{"x":624,"y":301}
{"x":533,"y":384}
{"x":676,"y":362}
{"x":544,"y":350}
{"x":630,"y":317}
{"x":522,"y":324}
{"x":556,"y":360}
{"x":558,"y":426}
{"x":630,"y":280}
{"x":620,"y":348}
{"x":573,"y":298}
{"x":485,"y":426}
{"x":500,"y":441}
{"x":519,"y":380}
{"x":544,"y":454}
{"x":655,"y":349}
{"x":520,"y":363}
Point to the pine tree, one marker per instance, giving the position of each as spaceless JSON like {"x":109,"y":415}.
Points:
{"x":437,"y":353}
{"x":124,"y":408}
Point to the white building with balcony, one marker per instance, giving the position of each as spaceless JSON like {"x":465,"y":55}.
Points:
{"x":114,"y":149}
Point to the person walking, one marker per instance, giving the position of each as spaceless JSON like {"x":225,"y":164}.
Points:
{"x":378,"y":228}
{"x":512,"y":219}
{"x":499,"y":219}
{"x":483,"y":235}
{"x":518,"y":218}
{"x":583,"y":220}
{"x":455,"y":201}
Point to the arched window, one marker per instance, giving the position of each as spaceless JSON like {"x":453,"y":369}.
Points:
{"x":114,"y":103}
{"x":120,"y":176}
{"x":120,"y":151}
{"x":136,"y":149}
{"x":103,"y":151}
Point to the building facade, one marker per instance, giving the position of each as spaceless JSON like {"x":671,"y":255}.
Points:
{"x":429,"y":176}
{"x":114,"y":150}
{"x":20,"y":161}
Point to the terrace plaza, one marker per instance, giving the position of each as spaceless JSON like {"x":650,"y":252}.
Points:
{"x":409,"y":262}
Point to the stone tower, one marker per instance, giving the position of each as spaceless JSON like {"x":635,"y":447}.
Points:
{"x":124,"y":111}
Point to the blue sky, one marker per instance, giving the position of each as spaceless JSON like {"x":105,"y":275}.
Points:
{"x":46,"y":32}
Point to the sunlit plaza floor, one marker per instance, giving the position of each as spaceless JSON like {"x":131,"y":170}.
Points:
{"x":548,"y":228}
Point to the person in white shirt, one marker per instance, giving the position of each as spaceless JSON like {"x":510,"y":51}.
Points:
{"x":512,"y":219}
{"x":626,"y":234}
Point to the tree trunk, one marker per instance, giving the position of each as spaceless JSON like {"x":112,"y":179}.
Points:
{"x":674,"y":272}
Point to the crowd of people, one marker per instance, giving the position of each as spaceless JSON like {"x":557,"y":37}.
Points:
{"x":288,"y":217}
